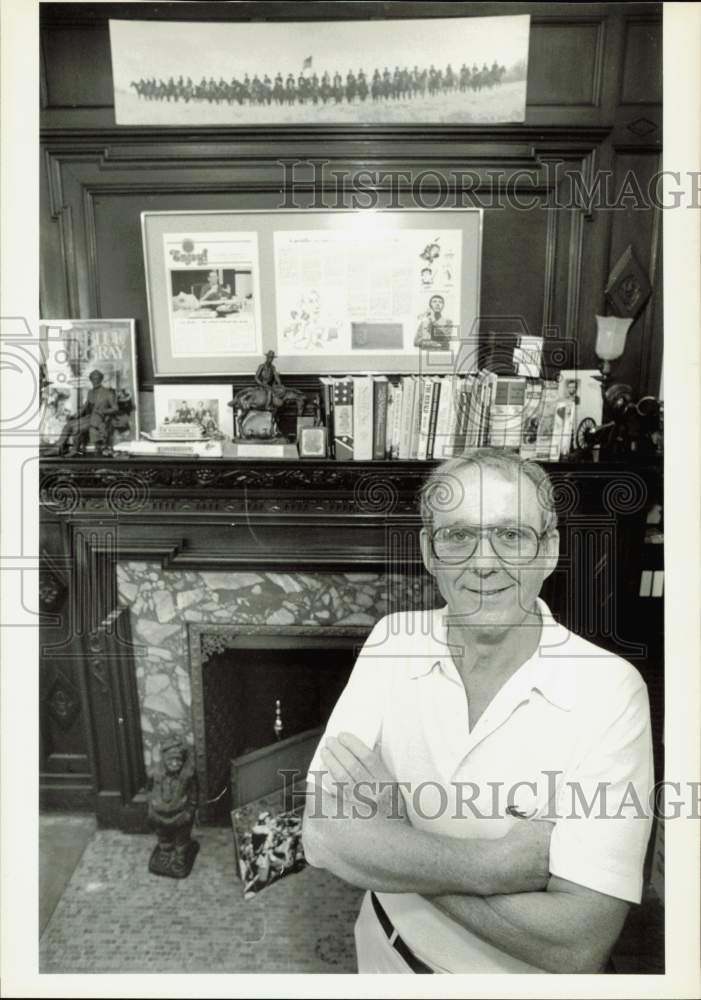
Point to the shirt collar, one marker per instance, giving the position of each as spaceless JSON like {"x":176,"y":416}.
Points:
{"x":548,"y":675}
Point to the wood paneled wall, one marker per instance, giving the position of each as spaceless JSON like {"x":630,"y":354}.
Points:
{"x":594,"y":104}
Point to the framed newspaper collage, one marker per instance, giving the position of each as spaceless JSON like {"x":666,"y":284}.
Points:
{"x":327,"y":291}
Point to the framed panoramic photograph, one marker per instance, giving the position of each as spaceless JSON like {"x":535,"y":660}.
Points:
{"x":75,"y":349}
{"x":345,"y":291}
{"x":193,"y":411}
{"x":457,"y":70}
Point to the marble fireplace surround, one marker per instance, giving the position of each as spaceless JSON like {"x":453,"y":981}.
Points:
{"x":164,"y":603}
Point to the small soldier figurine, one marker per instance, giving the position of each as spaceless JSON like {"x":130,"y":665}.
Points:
{"x":267,"y":377}
{"x":171,"y":809}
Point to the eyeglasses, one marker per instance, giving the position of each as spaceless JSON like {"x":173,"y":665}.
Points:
{"x":515,"y":545}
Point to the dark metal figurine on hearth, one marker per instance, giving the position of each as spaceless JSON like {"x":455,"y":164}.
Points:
{"x":171,"y":810}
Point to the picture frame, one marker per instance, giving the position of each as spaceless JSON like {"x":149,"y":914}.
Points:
{"x":198,"y":404}
{"x":628,"y":287}
{"x":583,"y":388}
{"x":437,"y":70}
{"x":312,"y":442}
{"x":71,"y":349}
{"x":386,"y":291}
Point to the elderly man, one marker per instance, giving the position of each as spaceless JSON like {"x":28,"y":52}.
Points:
{"x":486,"y":773}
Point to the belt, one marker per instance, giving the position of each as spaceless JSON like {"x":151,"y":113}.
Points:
{"x":414,"y":963}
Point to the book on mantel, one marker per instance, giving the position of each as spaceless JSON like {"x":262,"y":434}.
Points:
{"x":170,"y":448}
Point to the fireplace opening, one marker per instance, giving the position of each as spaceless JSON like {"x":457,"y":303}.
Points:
{"x":264,"y":695}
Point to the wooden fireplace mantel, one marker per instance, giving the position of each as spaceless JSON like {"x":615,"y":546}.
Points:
{"x":222,"y":513}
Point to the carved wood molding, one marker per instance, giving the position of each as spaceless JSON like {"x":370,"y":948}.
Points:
{"x":371,"y":489}
{"x":133,"y":486}
{"x":61,"y":214}
{"x":206,"y":142}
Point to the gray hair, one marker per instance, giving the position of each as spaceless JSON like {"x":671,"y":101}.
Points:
{"x":439,"y":492}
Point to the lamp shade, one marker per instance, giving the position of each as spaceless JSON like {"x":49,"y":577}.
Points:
{"x":611,"y":336}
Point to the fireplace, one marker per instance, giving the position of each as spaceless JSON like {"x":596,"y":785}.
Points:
{"x":147,"y":549}
{"x":261,"y":696}
{"x":214,"y":650}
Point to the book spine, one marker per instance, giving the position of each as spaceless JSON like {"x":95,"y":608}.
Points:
{"x":495,"y":437}
{"x":343,"y":419}
{"x":327,"y":397}
{"x":532,"y":410}
{"x":457,"y":392}
{"x":407,"y":412}
{"x":473,"y":420}
{"x":473,"y":413}
{"x":444,"y":434}
{"x":433,"y":420}
{"x":546,"y":423}
{"x":380,"y":389}
{"x":416,"y":416}
{"x":362,"y":418}
{"x":463,"y":409}
{"x":389,"y":428}
{"x":490,"y":385}
{"x":425,"y":419}
{"x":506,"y":413}
{"x":397,"y":419}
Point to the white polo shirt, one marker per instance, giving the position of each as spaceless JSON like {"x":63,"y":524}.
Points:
{"x":571,"y":717}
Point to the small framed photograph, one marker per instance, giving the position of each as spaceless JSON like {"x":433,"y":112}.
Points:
{"x":188,"y":408}
{"x":582,"y":388}
{"x":312,"y":442}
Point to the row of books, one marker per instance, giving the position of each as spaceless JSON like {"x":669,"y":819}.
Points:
{"x":440,"y":416}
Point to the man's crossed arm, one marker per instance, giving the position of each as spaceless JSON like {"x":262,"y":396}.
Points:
{"x":373,"y":845}
{"x":491,"y":887}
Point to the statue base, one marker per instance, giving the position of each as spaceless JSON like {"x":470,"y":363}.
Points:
{"x":172,"y":864}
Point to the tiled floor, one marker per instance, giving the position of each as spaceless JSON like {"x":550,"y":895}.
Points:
{"x":62,"y":840}
{"x":114,"y":916}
